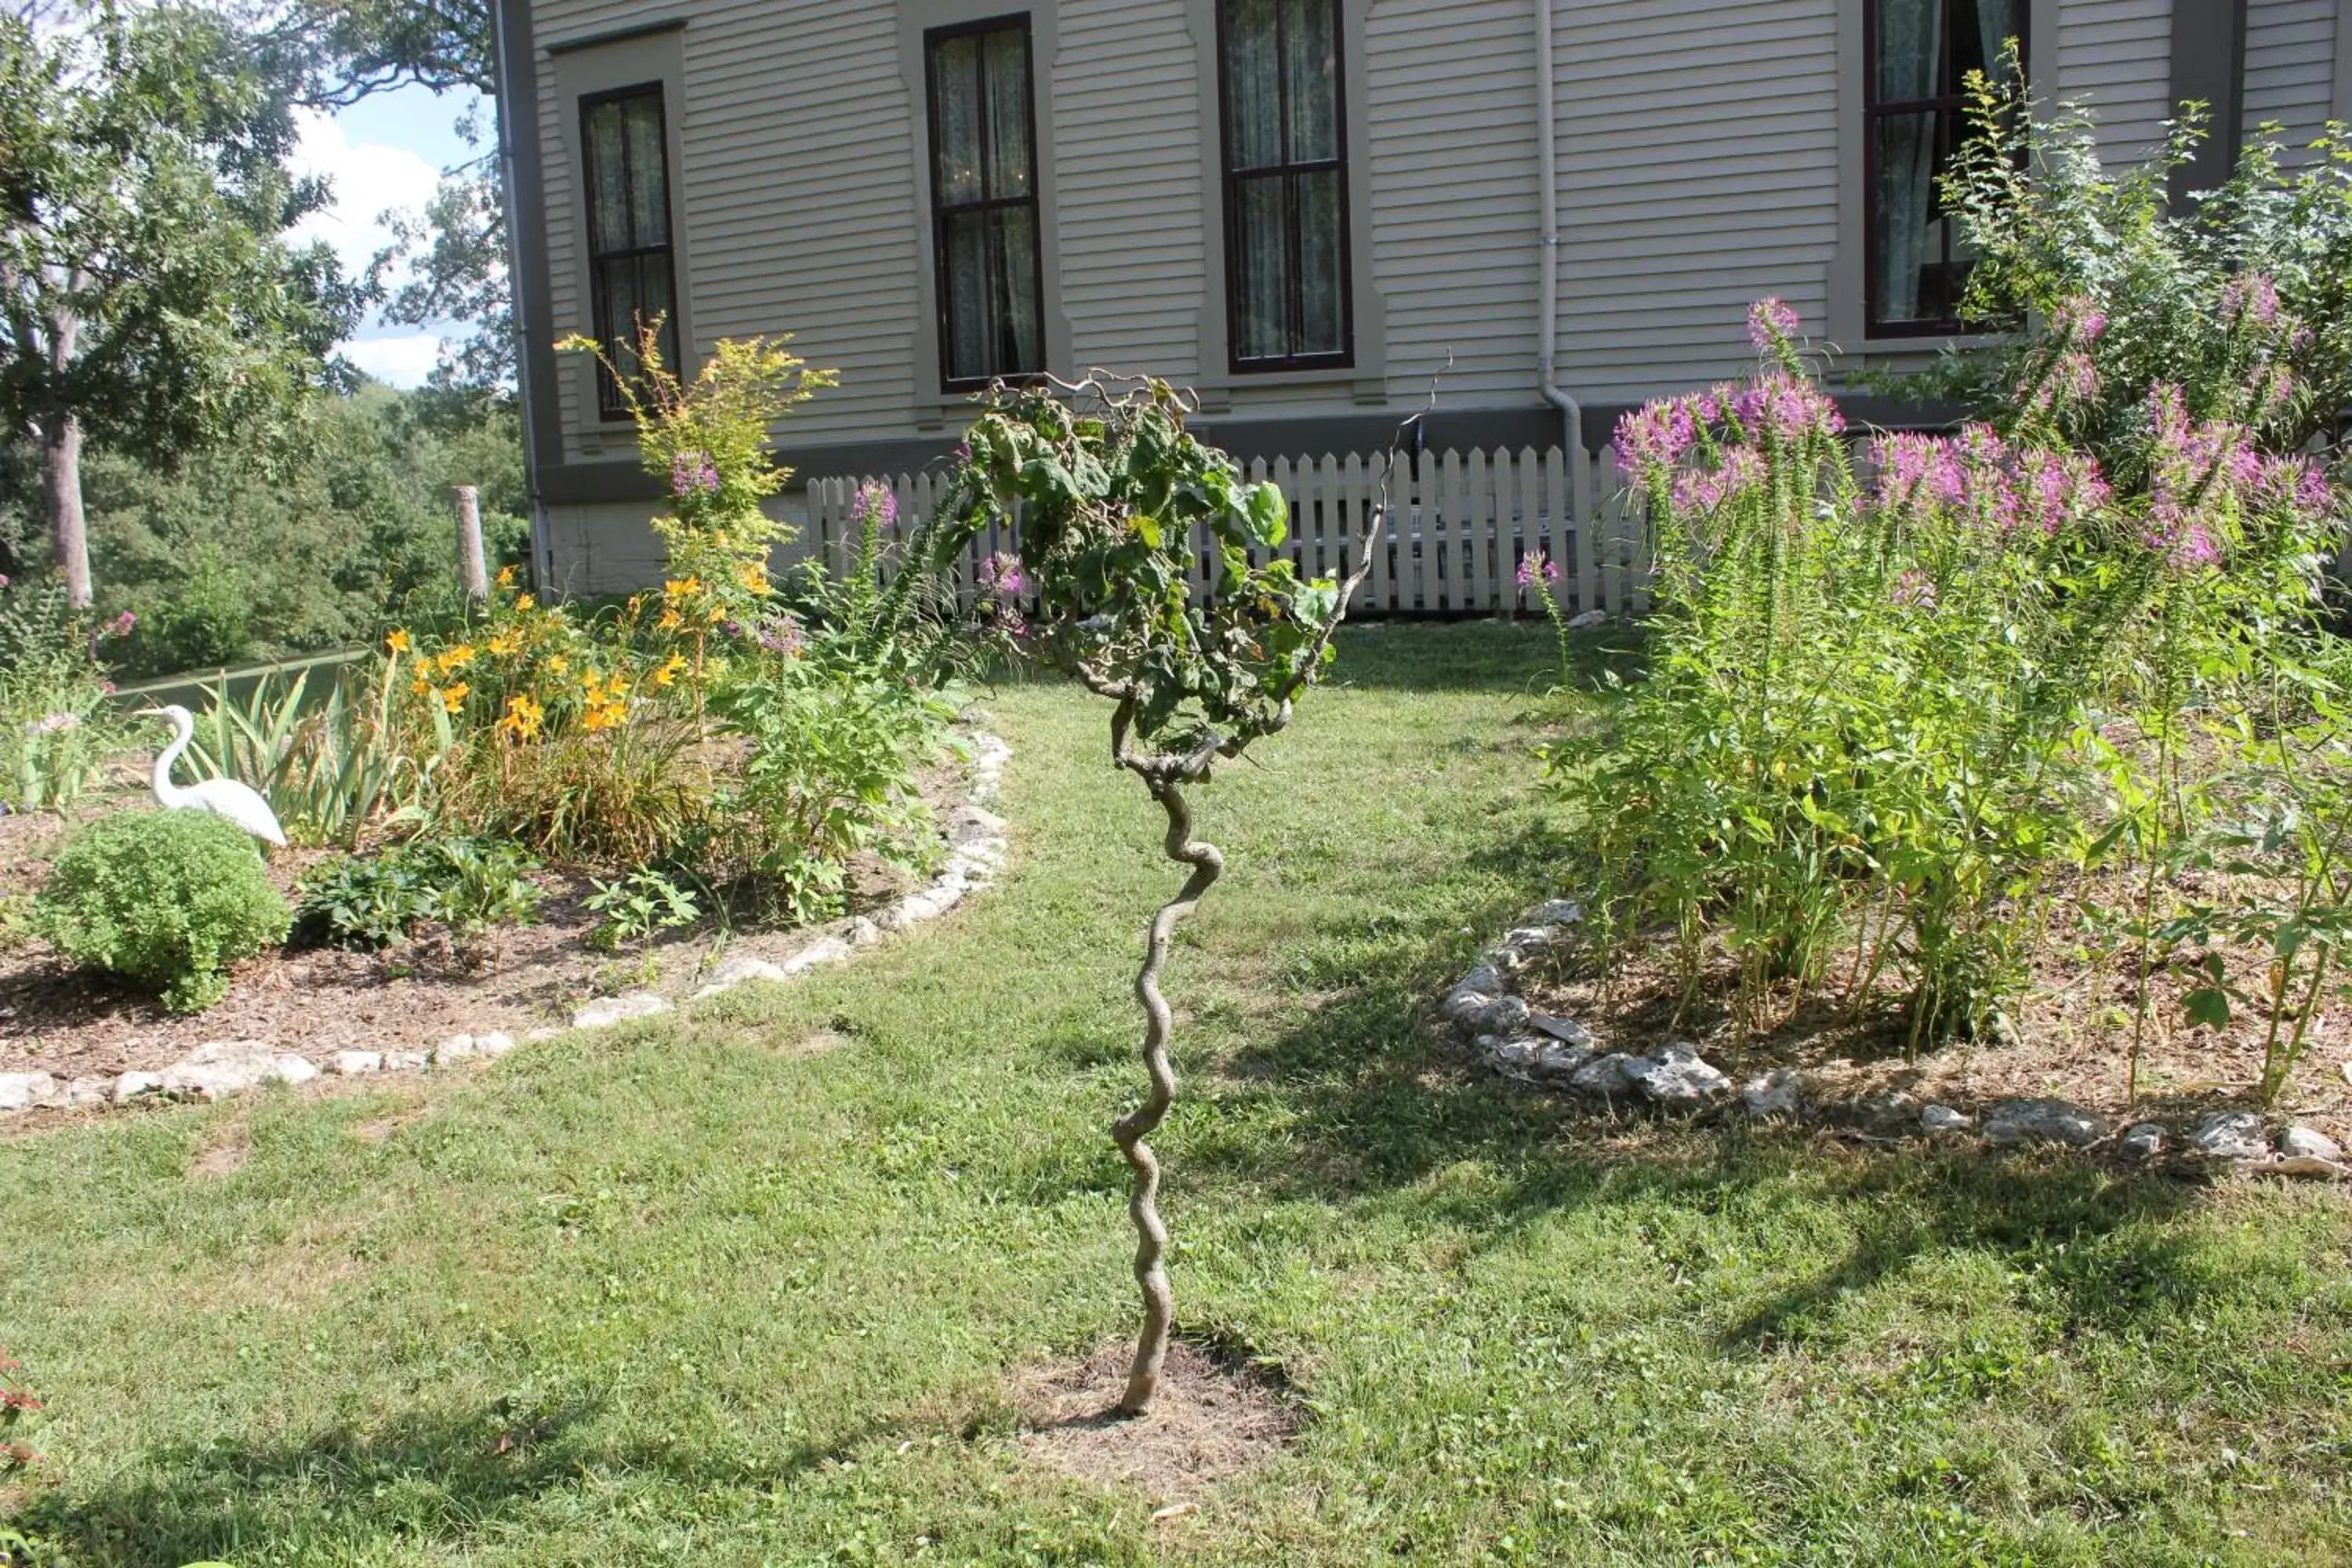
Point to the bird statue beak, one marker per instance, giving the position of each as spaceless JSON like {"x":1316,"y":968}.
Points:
{"x":149,"y":713}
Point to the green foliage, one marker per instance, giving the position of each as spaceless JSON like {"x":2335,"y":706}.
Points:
{"x":1109,"y":494}
{"x":234,"y":557}
{"x":467,"y":884}
{"x":164,"y":899}
{"x":2187,"y":292}
{"x":329,"y":766}
{"x":638,"y":904}
{"x":831,"y":753}
{"x":56,"y":726}
{"x":603,"y":740}
{"x":149,"y":298}
{"x":1886,"y":719}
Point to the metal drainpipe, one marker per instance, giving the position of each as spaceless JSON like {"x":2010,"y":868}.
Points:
{"x":1547,"y":333}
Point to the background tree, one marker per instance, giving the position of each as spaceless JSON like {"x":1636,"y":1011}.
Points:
{"x":455,"y":249}
{"x":1110,"y":488}
{"x":149,"y":302}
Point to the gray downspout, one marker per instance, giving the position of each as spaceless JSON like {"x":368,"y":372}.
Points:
{"x":542,"y":548}
{"x":1548,"y":332}
{"x":1549,"y":271}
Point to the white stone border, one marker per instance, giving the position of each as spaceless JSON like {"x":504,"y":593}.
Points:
{"x":219,"y":1069}
{"x":1487,"y":1014}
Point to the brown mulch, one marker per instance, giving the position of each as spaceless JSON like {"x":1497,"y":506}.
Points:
{"x":1214,"y":1417}
{"x":2072,"y":1037}
{"x":72,"y":1023}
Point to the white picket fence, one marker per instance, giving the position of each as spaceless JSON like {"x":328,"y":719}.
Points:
{"x":1458,"y":525}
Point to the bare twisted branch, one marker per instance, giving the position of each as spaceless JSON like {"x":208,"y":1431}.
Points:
{"x":1129,"y":1132}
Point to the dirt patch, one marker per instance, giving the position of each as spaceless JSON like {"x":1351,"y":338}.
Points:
{"x":2071,"y":1037}
{"x":225,"y":1155}
{"x":1215,"y":1417}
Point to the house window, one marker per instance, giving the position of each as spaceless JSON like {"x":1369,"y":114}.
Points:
{"x":1919,"y":53}
{"x":631,"y":276}
{"x":984,"y":236}
{"x":1286,"y":163}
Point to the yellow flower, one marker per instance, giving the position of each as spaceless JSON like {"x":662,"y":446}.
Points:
{"x":455,"y":696}
{"x":718,"y":614}
{"x":670,"y":621}
{"x":458,"y":657}
{"x":505,"y":576}
{"x":397,"y":641}
{"x":681,"y":587}
{"x":669,"y":671}
{"x":501,"y":645}
{"x":557,"y":664}
{"x":754,"y":578}
{"x":420,"y":686}
{"x":523,"y":717}
{"x":525,"y":602}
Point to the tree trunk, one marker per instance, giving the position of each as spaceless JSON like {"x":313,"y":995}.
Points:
{"x":69,"y":528}
{"x":1129,"y":1133}
{"x":473,"y":564}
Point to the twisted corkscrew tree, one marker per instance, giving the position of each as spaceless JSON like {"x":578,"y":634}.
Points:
{"x":1109,"y":492}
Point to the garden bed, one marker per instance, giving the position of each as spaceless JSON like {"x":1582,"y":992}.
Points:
{"x":1542,"y":1007}
{"x":85,"y":1029}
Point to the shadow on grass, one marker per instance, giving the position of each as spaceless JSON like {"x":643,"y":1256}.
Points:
{"x":1373,"y":1108}
{"x":422,"y":1477}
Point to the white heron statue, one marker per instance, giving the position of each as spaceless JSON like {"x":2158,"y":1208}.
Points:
{"x":240,"y":804}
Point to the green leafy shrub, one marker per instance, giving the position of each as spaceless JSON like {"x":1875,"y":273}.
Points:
{"x":57,"y":727}
{"x":1886,"y":717}
{"x":827,"y":773}
{"x":638,"y":904}
{"x":467,"y":884}
{"x":164,"y":899}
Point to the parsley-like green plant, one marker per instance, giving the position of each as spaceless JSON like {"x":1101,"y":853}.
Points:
{"x":1115,"y":502}
{"x":168,"y":899}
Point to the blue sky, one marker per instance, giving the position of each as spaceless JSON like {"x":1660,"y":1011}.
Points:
{"x":385,"y":152}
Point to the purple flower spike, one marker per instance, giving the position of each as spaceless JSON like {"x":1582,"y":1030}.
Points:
{"x":1770,"y":324}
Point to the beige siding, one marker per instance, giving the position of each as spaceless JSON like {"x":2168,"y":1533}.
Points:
{"x":1698,"y":145}
{"x":1454,"y":195}
{"x":2116,"y":57}
{"x":2290,"y":68}
{"x":1126,"y":111}
{"x":1699,"y":157}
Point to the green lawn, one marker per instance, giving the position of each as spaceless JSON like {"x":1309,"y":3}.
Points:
{"x":748,"y":1283}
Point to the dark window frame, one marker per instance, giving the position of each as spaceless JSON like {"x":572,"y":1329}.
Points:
{"x":1948,"y":108}
{"x":610,"y":406}
{"x":942,"y":211}
{"x":1286,"y":171}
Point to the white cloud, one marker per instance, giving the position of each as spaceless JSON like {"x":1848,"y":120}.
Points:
{"x":403,"y":360}
{"x":365,"y":178}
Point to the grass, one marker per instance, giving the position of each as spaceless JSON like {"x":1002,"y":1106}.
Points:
{"x":746,"y":1286}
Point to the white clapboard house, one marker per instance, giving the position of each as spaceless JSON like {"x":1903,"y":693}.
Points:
{"x":1302,"y":209}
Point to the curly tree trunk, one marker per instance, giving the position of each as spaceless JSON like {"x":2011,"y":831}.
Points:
{"x":1129,"y":1130}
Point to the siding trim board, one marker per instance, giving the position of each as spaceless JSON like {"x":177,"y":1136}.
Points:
{"x":519,"y":134}
{"x":2340,"y":98}
{"x":1246,"y":438}
{"x":2209,"y":65}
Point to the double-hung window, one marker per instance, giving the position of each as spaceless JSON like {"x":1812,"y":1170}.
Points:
{"x":1285,"y":177}
{"x":631,"y":272}
{"x":984,"y":236}
{"x":1919,"y":56}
